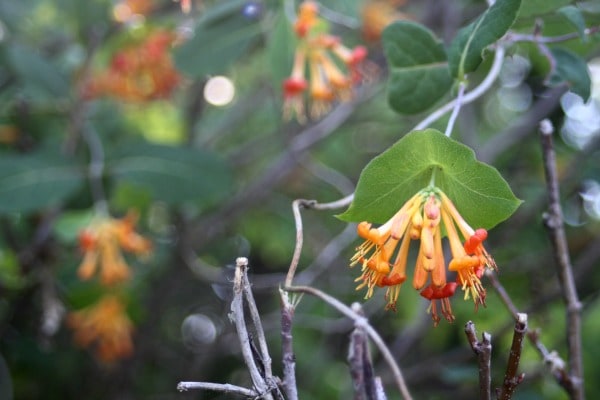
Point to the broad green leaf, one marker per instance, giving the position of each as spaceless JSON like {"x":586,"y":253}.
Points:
{"x":575,"y":17}
{"x":480,"y":194}
{"x":538,"y":7}
{"x":175,"y":175}
{"x":419,"y":74}
{"x":220,"y":38}
{"x":280,"y":47}
{"x":36,"y":181}
{"x":466,"y":50}
{"x":573,"y":70}
{"x":39,"y":76}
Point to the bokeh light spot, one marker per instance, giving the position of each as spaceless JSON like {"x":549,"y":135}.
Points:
{"x":219,"y":91}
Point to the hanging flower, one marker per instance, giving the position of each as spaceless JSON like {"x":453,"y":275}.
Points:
{"x":324,"y":70}
{"x":424,"y":218}
{"x":102,"y":243}
{"x":104,"y":326}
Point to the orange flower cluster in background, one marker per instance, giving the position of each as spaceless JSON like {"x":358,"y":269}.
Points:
{"x":105,"y":325}
{"x":127,"y":10}
{"x":377,"y":14}
{"x":324,"y":70}
{"x":424,"y":217}
{"x":139,"y":73}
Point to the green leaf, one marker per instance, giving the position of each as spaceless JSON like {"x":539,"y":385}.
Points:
{"x":39,"y":76}
{"x":175,"y":175}
{"x":573,"y":70}
{"x":280,"y":48}
{"x":36,"y":181}
{"x":221,"y":37}
{"x":480,"y":194}
{"x":532,"y":8}
{"x":575,"y":17}
{"x":418,"y":69}
{"x":466,"y":50}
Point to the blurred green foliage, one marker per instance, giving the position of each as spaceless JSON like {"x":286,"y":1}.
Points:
{"x":214,"y":183}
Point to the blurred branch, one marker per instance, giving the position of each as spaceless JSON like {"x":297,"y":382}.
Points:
{"x":553,"y":221}
{"x":511,"y":379}
{"x":361,"y":366}
{"x":552,"y":359}
{"x":522,"y":126}
{"x":207,"y":228}
{"x":483,"y":350}
{"x":536,"y":38}
{"x":362,"y":321}
{"x":96,"y":169}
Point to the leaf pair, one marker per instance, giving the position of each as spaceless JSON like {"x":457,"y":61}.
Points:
{"x":422,"y":71}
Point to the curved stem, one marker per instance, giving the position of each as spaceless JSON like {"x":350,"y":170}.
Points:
{"x":457,"y":106}
{"x":361,"y":321}
{"x":470,"y":96}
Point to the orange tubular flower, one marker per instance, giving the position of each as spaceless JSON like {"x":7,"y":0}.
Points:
{"x":104,"y":325}
{"x":322,"y":64}
{"x":424,"y":217}
{"x":102,"y":242}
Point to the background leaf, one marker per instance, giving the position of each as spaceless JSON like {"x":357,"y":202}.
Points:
{"x":418,"y":69}
{"x":531,"y":8}
{"x":575,"y":17}
{"x":175,"y":175}
{"x":480,"y":194}
{"x":465,"y":52}
{"x":35,"y":181}
{"x":280,"y":47}
{"x":41,"y":77}
{"x":573,"y":70}
{"x":220,"y":38}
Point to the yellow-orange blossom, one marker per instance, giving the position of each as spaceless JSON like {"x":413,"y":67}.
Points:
{"x":422,"y":218}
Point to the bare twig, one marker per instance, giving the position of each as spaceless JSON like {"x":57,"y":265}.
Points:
{"x":217,"y":387}
{"x":287,"y":348}
{"x":237,"y":314}
{"x":260,"y":333}
{"x":535,"y":38}
{"x":511,"y":377}
{"x":296,"y":205}
{"x":361,"y":366}
{"x":362,"y":321}
{"x":483,"y":350}
{"x":551,"y":358}
{"x":554,"y":223}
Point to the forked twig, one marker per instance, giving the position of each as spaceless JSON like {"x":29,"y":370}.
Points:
{"x":511,"y":377}
{"x":553,"y":221}
{"x":483,"y":350}
{"x":361,"y":321}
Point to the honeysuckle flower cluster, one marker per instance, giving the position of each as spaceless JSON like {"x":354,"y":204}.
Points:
{"x":425,"y":218}
{"x":324,"y":69}
{"x":105,"y":324}
{"x":139,"y":73}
